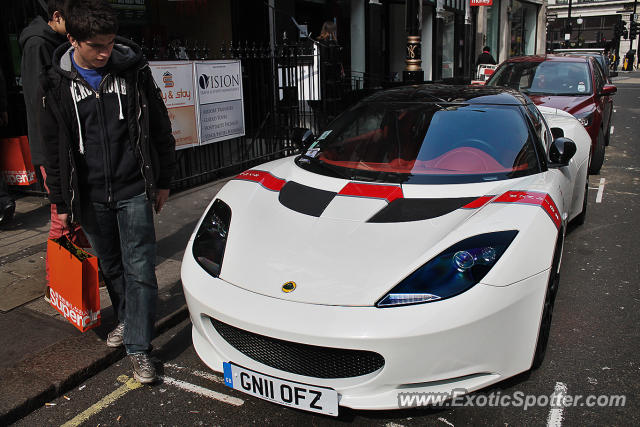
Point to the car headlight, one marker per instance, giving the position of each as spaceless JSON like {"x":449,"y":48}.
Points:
{"x":451,"y":272}
{"x":211,"y":238}
{"x":585,"y":119}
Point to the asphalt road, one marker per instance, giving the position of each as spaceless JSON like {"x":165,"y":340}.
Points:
{"x":593,"y":348}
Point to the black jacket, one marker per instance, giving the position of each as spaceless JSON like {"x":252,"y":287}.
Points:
{"x":37,"y":41}
{"x":485,"y":58}
{"x":105,"y":145}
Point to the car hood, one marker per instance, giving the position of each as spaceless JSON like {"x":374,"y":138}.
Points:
{"x":570,"y":104}
{"x":341,"y":257}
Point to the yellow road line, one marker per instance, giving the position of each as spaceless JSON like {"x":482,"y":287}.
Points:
{"x":129,"y":384}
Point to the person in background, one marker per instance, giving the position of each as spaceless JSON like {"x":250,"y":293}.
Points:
{"x":485,"y":57}
{"x":38,"y":41}
{"x":110,"y":161}
{"x":7,"y":205}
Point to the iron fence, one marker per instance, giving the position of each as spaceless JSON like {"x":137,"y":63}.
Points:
{"x":284,"y":87}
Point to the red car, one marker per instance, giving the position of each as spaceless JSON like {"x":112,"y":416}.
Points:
{"x":570,"y":83}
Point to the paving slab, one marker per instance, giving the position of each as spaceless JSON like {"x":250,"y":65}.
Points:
{"x":19,"y":324}
{"x":21,"y":281}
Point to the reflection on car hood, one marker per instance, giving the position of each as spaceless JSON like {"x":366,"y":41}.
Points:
{"x":570,"y":104}
{"x":338,"y":256}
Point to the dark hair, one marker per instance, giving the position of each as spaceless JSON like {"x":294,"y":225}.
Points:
{"x":86,"y":19}
{"x":55,"y":6}
{"x":486,"y":49}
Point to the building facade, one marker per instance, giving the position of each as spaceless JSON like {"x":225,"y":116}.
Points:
{"x":589,"y":23}
{"x":512,"y":28}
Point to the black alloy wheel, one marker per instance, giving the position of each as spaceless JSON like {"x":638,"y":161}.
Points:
{"x":597,"y":159}
{"x":579,"y":220}
{"x":549,"y":300}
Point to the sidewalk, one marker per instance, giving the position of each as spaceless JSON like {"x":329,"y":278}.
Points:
{"x":627,"y":77}
{"x":42,"y":355}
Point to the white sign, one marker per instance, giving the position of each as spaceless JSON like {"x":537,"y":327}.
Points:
{"x":175,"y":80}
{"x":220,"y":100}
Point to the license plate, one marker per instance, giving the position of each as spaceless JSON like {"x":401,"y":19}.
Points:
{"x":289,"y":393}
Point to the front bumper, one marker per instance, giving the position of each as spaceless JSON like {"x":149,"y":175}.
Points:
{"x":467,"y":342}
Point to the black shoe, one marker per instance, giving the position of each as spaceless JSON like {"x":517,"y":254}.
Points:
{"x":6,"y":212}
{"x":143,"y":370}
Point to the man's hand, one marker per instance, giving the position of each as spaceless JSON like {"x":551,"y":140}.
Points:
{"x":64,"y":219}
{"x":161,"y":198}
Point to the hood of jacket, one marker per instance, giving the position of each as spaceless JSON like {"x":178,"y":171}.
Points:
{"x":39,"y":28}
{"x":125,"y":55}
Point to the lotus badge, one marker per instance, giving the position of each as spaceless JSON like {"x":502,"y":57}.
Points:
{"x":289,"y":287}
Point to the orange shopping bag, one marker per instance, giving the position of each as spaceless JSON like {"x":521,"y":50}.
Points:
{"x":73,"y":279}
{"x":15,"y":161}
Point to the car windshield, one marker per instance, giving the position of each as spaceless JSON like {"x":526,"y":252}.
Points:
{"x":545,"y":78}
{"x":425,"y":143}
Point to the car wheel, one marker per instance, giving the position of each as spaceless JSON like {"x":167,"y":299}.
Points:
{"x":547,"y":310}
{"x":597,"y":159}
{"x":579,"y":220}
{"x":607,"y":138}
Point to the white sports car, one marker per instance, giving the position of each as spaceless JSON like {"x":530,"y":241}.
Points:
{"x":413,"y":247}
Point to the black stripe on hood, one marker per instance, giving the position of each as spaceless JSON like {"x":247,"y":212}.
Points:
{"x":404,"y":210}
{"x":306,"y":200}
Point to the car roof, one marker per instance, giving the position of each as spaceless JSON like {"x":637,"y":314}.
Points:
{"x":581,"y":50}
{"x":440,"y":93}
{"x":561,"y":57}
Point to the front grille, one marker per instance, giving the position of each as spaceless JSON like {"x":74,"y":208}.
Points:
{"x":301,"y":359}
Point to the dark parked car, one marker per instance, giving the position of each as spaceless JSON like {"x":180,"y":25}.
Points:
{"x":598,"y":54}
{"x":570,"y":83}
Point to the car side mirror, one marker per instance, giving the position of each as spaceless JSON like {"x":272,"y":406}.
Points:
{"x":608,"y":90}
{"x":301,"y":138}
{"x":561,"y":151}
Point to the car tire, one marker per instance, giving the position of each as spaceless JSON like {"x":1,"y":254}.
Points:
{"x":607,"y":138}
{"x":579,"y":220}
{"x":547,"y":309}
{"x":597,"y":158}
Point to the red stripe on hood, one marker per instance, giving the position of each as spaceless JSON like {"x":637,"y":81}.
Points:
{"x":478,"y":203}
{"x":263,"y":178}
{"x":387,"y":192}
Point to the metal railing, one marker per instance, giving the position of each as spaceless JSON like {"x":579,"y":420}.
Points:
{"x":284,"y":86}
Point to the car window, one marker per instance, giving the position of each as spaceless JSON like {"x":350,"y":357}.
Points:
{"x":425,"y":143}
{"x":599,"y":78}
{"x":547,"y":77}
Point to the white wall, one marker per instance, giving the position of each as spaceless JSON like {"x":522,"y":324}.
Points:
{"x":505,"y":33}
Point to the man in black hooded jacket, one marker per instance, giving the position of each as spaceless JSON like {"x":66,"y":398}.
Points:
{"x":110,"y":159}
{"x":38,"y":41}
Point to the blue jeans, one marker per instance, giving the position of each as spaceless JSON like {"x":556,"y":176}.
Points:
{"x":123,"y":236}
